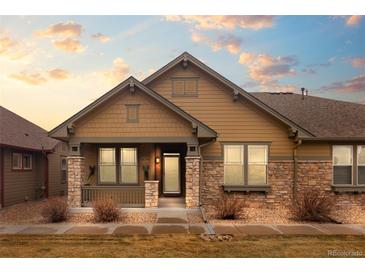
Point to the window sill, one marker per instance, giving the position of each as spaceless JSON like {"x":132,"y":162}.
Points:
{"x":258,"y":188}
{"x":342,"y":189}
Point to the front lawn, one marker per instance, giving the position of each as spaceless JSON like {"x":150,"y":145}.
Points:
{"x":177,"y":246}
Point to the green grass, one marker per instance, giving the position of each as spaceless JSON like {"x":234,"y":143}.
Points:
{"x":87,"y":246}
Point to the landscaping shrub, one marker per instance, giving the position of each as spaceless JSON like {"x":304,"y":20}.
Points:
{"x":105,"y":211}
{"x":230,"y":208}
{"x":314,"y":207}
{"x":55,"y":210}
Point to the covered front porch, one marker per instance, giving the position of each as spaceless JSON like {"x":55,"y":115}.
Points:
{"x":134,"y":174}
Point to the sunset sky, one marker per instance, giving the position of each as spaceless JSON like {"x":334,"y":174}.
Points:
{"x":52,"y":66}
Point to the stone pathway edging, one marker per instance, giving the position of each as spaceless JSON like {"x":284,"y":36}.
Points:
{"x":171,"y":228}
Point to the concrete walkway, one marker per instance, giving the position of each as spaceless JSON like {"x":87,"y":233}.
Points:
{"x":178,"y":227}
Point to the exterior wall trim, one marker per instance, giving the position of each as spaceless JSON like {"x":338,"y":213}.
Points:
{"x":131,"y":140}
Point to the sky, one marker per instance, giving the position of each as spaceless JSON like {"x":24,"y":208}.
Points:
{"x":53,"y":66}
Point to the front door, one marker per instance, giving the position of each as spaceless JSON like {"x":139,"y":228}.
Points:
{"x":171,"y":173}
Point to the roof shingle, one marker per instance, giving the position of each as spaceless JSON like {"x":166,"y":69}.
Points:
{"x":324,"y":118}
{"x":18,"y":132}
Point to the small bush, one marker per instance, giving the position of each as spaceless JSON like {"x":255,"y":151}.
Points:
{"x":230,"y":208}
{"x":55,"y":210}
{"x":105,"y":211}
{"x":314,"y":207}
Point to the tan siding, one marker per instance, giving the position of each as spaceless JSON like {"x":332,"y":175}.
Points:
{"x":234,"y":121}
{"x":155,"y":120}
{"x":314,"y":151}
{"x":56,"y":186}
{"x":21,"y":184}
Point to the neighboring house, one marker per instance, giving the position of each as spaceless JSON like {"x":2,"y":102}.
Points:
{"x":187,"y":131}
{"x":32,"y":165}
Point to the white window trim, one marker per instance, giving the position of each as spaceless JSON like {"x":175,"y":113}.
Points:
{"x":12,"y":161}
{"x":30,"y":161}
{"x":333,"y":165}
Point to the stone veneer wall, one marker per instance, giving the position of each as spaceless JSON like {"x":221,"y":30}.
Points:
{"x":151,"y":194}
{"x":75,"y":179}
{"x":311,"y":174}
{"x":192,"y":183}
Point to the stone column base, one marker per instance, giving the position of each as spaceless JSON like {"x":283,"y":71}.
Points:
{"x":151,"y":194}
{"x":192,"y":181}
{"x":75,"y":177}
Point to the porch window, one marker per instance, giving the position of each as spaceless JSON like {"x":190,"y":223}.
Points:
{"x":233,"y":165}
{"x":361,"y":165}
{"x":17,"y":162}
{"x":107,"y":166}
{"x":257,"y":164}
{"x":342,"y":165}
{"x":128,"y":165}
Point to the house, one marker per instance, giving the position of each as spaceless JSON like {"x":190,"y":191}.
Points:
{"x":32,"y":165}
{"x":186,"y":131}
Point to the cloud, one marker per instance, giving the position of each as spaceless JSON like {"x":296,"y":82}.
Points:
{"x":38,"y":78}
{"x":229,"y":42}
{"x":11,"y":48}
{"x":228,"y":22}
{"x":356,"y":84}
{"x":265,"y":70}
{"x":357,"y":62}
{"x":353,"y":20}
{"x":65,"y":29}
{"x":29,"y":78}
{"x":69,"y":45}
{"x":309,"y":71}
{"x":101,"y":37}
{"x":59,"y":74}
{"x":119,"y":70}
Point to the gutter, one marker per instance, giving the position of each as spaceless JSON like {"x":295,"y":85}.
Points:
{"x":295,"y":156}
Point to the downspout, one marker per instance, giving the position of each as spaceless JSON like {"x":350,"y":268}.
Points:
{"x":200,"y":176}
{"x":295,"y":156}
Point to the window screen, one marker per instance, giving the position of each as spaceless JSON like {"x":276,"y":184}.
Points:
{"x":233,"y":165}
{"x":128,"y":165}
{"x":107,"y":166}
{"x":257,"y":164}
{"x":361,"y":165}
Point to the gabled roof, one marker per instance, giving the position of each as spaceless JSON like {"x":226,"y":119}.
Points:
{"x":325,"y":118}
{"x":203,"y":130}
{"x":15,"y":131}
{"x":187,"y":57}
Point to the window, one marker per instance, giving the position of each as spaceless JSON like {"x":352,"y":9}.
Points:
{"x":245,"y":164}
{"x":342,"y":165}
{"x":233,"y":165}
{"x":132,"y":113}
{"x":257,"y":164}
{"x":17,"y":162}
{"x":107,"y":166}
{"x":27,"y":161}
{"x":185,"y":86}
{"x":128,"y":165}
{"x":63,"y":169}
{"x":361,"y":165}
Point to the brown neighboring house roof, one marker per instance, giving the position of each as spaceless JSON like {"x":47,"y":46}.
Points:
{"x":15,"y":131}
{"x":325,"y":118}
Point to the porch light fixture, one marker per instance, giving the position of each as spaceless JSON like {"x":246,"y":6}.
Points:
{"x":157,"y":160}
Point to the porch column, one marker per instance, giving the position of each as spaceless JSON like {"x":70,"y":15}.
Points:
{"x":151,"y":194}
{"x":192,"y":181}
{"x":75,"y":179}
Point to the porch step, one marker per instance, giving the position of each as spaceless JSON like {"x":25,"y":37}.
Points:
{"x":172,"y":202}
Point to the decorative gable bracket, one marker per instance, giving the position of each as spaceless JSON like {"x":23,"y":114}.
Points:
{"x":235,"y":95}
{"x":194,"y":128}
{"x":185,"y":62}
{"x":131,"y":86}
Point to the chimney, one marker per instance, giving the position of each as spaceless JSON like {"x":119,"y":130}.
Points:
{"x":306,"y":92}
{"x":302,"y":89}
